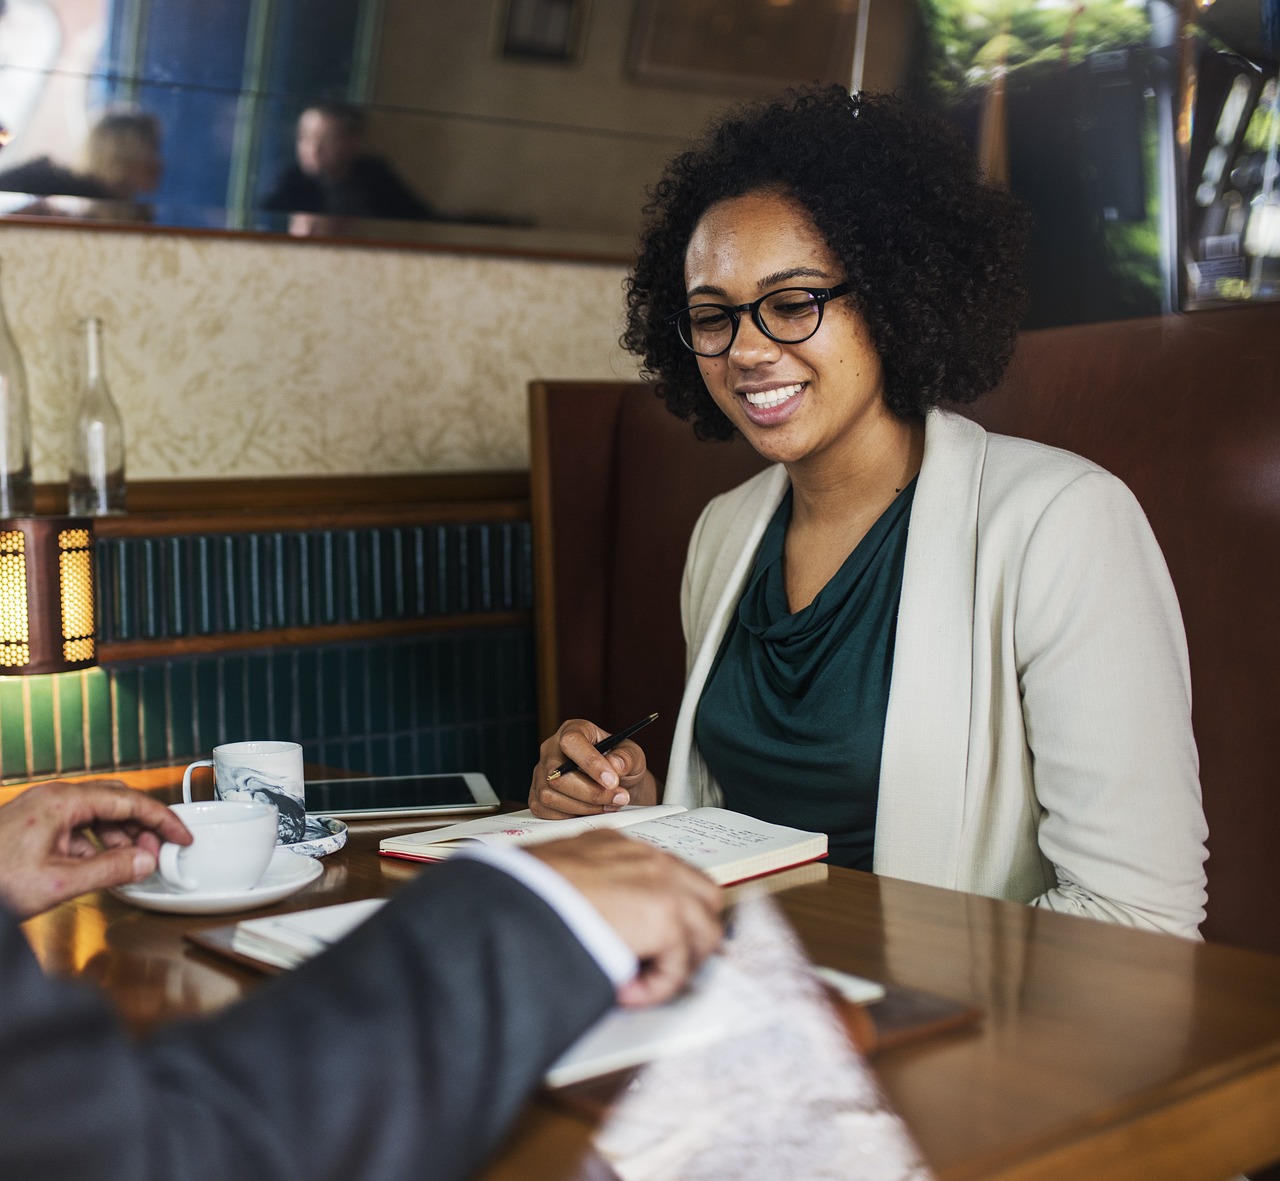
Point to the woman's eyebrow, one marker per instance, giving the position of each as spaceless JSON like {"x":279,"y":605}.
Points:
{"x":792,"y":273}
{"x":765,"y":283}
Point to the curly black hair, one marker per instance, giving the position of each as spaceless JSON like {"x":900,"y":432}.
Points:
{"x":933,"y":252}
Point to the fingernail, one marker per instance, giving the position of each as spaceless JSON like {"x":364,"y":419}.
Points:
{"x":621,"y":798}
{"x":143,"y":863}
{"x":609,"y":779}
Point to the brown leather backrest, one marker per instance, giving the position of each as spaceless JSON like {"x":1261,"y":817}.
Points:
{"x":617,"y":483}
{"x":1185,"y":409}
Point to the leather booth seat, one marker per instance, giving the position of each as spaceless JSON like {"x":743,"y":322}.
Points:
{"x":1185,"y":409}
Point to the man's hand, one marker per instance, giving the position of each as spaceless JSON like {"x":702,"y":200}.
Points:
{"x":58,"y":840}
{"x":665,"y":911}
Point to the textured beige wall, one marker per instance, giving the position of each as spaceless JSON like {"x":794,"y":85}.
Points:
{"x":232,"y":357}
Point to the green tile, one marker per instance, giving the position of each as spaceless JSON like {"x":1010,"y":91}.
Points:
{"x":308,"y":701}
{"x":69,"y":689}
{"x":97,"y":703}
{"x":470,"y":749}
{"x":517,"y":680}
{"x":284,"y":711}
{"x":357,"y":754}
{"x":304,"y":581}
{"x":229,"y":584}
{"x":203,"y":589}
{"x":153,"y":711}
{"x":124,"y":716}
{"x":378,"y":761}
{"x":13,"y":741}
{"x":207,"y":732}
{"x":178,"y":589}
{"x":278,"y":581}
{"x":182,"y":704}
{"x":328,"y":571}
{"x":378,"y":688}
{"x":435,"y":673}
{"x":465,"y":682}
{"x":330,"y":682}
{"x":238,"y":726}
{"x":448,"y":753}
{"x":352,"y":576}
{"x":259,"y":723}
{"x":402,"y":713}
{"x":355,"y":695}
{"x":43,"y":752}
{"x":404,"y":760}
{"x":334,"y":754}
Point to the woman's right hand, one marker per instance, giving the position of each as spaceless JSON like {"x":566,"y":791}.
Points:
{"x":603,"y":783}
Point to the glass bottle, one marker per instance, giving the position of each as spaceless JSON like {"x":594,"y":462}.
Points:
{"x":17,"y":497}
{"x":96,"y":484}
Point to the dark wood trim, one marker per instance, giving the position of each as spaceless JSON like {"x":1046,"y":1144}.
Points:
{"x":286,"y":637}
{"x":544,"y":571}
{"x":271,"y":494}
{"x":268,"y":237}
{"x":286,"y":520}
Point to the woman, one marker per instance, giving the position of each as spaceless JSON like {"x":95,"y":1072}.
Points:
{"x":958,"y":654}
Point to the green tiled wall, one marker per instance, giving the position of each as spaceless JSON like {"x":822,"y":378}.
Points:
{"x":450,"y":701}
{"x":158,"y":587}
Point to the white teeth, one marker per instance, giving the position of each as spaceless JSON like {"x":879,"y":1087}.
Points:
{"x":771,"y":398}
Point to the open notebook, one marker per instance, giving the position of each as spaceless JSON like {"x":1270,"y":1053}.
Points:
{"x":726,"y":846}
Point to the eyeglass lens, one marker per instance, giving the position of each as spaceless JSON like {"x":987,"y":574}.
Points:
{"x":789,"y":316}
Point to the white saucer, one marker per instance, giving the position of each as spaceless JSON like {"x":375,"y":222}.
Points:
{"x":322,"y":836}
{"x":287,"y":874}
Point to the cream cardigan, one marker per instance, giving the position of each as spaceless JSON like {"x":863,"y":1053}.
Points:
{"x":1038,"y":741}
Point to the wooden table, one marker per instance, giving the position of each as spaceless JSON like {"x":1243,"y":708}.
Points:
{"x":1104,"y":1053}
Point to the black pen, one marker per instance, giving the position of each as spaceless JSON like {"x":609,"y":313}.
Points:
{"x":603,"y":746}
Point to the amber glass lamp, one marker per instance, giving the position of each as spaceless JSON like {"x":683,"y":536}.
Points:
{"x":46,"y":595}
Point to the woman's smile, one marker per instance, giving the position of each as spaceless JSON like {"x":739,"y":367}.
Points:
{"x":773,"y":404}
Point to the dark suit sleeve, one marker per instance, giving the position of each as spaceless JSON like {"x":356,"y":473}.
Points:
{"x":405,"y":1052}
{"x":294,"y":192}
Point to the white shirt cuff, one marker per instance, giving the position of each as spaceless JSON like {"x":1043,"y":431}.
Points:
{"x":616,"y":960}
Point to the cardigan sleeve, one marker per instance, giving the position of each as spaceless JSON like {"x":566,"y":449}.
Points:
{"x":1106,"y":697}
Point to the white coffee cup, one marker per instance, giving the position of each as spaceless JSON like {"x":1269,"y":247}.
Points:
{"x":267,"y":771}
{"x":232,"y":846}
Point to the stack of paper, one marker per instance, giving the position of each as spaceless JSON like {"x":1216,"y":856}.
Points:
{"x":287,"y":940}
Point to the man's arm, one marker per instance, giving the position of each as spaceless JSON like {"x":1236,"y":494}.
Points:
{"x":405,"y":1051}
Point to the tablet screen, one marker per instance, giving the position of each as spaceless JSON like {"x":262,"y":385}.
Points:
{"x":334,"y":796}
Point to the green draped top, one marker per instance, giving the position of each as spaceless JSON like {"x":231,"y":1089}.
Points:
{"x":791,"y":721}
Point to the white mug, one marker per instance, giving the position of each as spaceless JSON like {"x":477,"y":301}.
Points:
{"x":232,"y":846}
{"x":266,"y":771}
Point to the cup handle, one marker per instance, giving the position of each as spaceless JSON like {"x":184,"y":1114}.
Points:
{"x":170,"y":869}
{"x":186,"y":778}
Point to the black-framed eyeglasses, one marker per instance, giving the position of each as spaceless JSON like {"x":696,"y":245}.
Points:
{"x":788,"y":315}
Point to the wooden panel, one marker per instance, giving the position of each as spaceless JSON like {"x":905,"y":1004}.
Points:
{"x":300,"y":636}
{"x":270,"y":496}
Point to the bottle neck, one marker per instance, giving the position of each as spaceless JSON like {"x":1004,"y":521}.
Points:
{"x":93,"y":350}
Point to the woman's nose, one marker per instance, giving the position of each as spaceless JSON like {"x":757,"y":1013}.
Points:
{"x":751,"y":346}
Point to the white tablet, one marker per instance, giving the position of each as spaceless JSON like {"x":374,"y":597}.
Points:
{"x":392,"y":796}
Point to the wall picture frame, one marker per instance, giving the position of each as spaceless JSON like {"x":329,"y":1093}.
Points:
{"x":754,"y":46}
{"x":543,"y":30}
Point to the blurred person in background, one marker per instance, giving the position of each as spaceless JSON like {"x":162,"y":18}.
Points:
{"x":334,"y":179}
{"x":120,"y":164}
